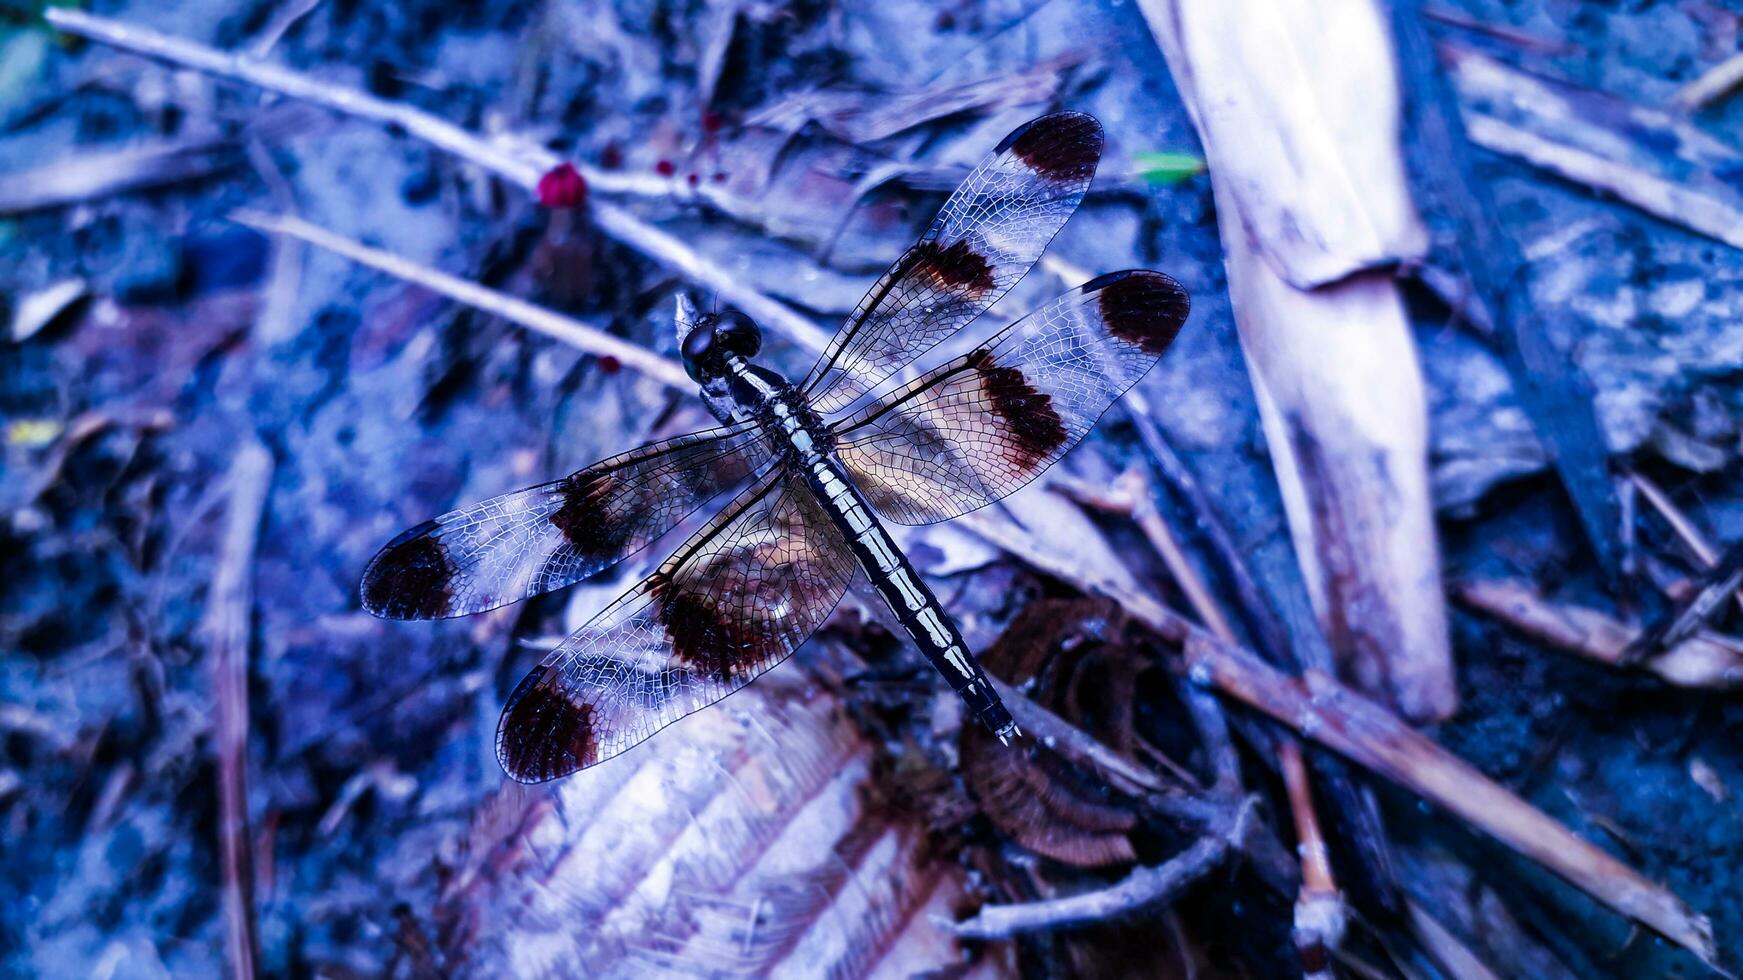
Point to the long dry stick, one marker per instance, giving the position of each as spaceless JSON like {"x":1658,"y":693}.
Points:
{"x":227,"y":628}
{"x":552,"y":324}
{"x":520,"y":164}
{"x":1407,"y":757}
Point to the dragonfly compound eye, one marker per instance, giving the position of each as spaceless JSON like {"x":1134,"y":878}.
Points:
{"x":738,"y":334}
{"x":703,"y":356}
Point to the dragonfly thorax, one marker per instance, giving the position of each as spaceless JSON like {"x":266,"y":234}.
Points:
{"x":760,"y":394}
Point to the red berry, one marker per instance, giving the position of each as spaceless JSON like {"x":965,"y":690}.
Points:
{"x":609,"y":364}
{"x":693,"y":179}
{"x":665,"y":168}
{"x":562,"y":186}
{"x":711,"y":122}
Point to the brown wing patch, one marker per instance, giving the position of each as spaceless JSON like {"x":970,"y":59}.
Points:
{"x":586,"y":520}
{"x":411,"y":578}
{"x":1034,"y":426}
{"x":1145,"y":309}
{"x":543,"y":732}
{"x":1063,"y":147}
{"x":956,"y":264}
{"x":706,"y":638}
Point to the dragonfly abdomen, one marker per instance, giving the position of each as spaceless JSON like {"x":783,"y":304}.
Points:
{"x":906,"y":593}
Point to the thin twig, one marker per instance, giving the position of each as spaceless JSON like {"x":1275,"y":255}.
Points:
{"x":1710,"y":86}
{"x":1703,"y":660}
{"x":537,"y":318}
{"x":1679,"y":522}
{"x":227,"y":626}
{"x":282,"y":21}
{"x":1341,"y":719}
{"x":1683,"y":622}
{"x":516,"y":161}
{"x":1144,"y":887}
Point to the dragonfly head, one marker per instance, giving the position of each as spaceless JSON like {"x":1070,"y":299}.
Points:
{"x":713,"y":338}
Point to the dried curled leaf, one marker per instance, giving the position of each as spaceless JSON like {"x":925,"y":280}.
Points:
{"x":1075,"y":652}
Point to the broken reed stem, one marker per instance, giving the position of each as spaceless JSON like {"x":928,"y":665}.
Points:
{"x":1145,"y":886}
{"x":1319,"y":908}
{"x":1679,"y":522}
{"x":227,"y":622}
{"x":521,"y":164}
{"x":552,"y":324}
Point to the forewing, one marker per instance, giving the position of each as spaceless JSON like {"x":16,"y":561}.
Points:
{"x":736,"y":600}
{"x":982,"y":426}
{"x":545,"y":537}
{"x":989,"y":233}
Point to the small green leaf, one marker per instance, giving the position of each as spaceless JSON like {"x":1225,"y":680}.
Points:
{"x":1168,"y":169}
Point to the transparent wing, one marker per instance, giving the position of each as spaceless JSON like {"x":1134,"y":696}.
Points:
{"x":984,"y":240}
{"x":983,"y":425}
{"x":545,"y":537}
{"x":736,"y":600}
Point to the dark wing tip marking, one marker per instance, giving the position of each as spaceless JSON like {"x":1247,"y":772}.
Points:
{"x":410,"y":578}
{"x":1031,"y":421}
{"x":956,"y":264}
{"x":544,"y":733}
{"x":1142,"y":308}
{"x":704,"y":637}
{"x":1063,"y":146}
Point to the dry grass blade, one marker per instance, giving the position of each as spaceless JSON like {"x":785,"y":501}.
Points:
{"x":1553,"y":391}
{"x":519,"y":163}
{"x":227,"y":623}
{"x":537,"y":318}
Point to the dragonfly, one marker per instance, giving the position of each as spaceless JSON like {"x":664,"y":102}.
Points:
{"x":820,"y":467}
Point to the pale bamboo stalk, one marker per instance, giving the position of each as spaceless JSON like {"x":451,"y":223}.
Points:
{"x":1309,"y":179}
